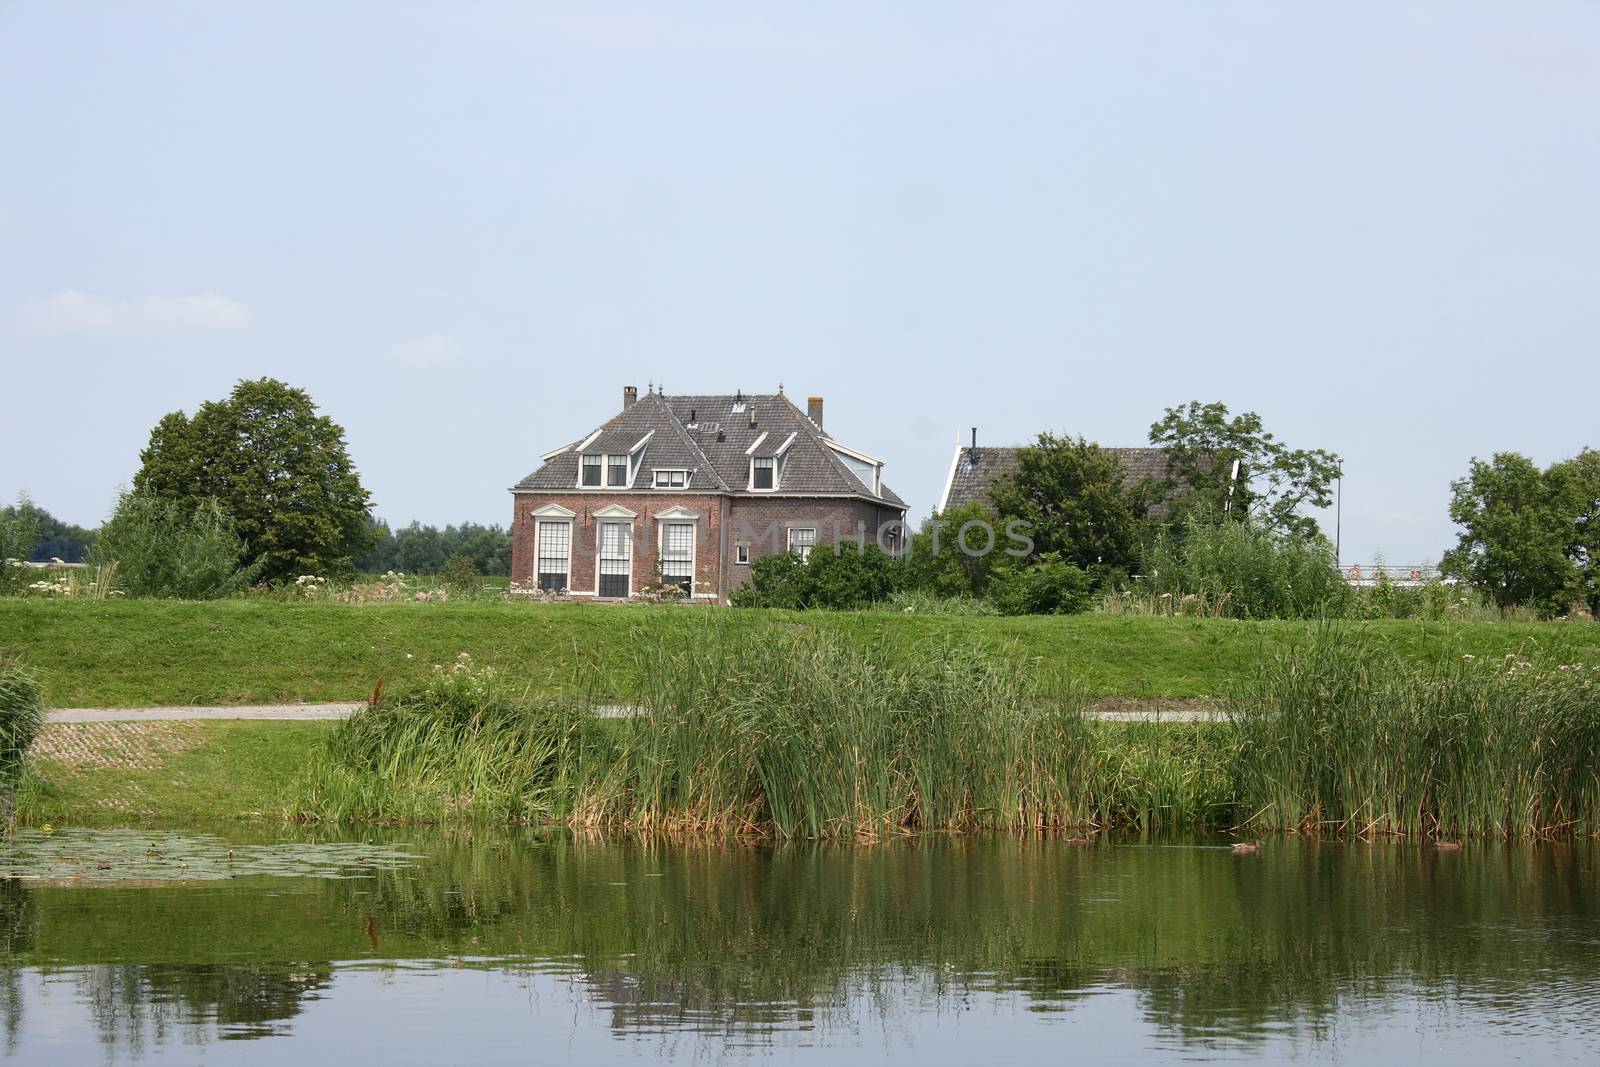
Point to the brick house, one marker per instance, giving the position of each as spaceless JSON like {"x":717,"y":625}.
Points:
{"x":689,"y":490}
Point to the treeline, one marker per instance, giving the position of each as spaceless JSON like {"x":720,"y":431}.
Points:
{"x":29,"y":532}
{"x":419,"y":549}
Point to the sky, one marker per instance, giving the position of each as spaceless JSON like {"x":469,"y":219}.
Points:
{"x":463,"y":228}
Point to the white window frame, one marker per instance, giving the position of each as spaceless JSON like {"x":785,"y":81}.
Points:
{"x":551,"y":515}
{"x":600,"y":552}
{"x":741,"y":554}
{"x":583,"y":462}
{"x":803,"y":551}
{"x":773,"y":488}
{"x":655,"y":480}
{"x":676,"y":515}
{"x":613,"y":460}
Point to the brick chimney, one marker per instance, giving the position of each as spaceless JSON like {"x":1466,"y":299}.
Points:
{"x":630,"y":393}
{"x":814,"y":410}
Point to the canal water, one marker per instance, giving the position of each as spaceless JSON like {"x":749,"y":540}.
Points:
{"x":550,"y":948}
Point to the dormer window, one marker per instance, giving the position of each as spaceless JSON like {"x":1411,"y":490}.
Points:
{"x":617,"y":471}
{"x":671,"y":479}
{"x":591,"y":471}
{"x":763,"y":472}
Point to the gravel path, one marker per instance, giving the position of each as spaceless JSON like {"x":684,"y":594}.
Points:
{"x":250,"y":711}
{"x":1122,"y":710}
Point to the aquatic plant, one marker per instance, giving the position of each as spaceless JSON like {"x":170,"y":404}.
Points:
{"x":771,"y":730}
{"x":21,"y":719}
{"x":1341,"y":734}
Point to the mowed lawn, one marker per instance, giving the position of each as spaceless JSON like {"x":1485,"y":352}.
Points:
{"x":139,"y":653}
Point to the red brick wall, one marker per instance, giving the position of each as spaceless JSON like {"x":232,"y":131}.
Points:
{"x":761,"y":522}
{"x":586,"y":533}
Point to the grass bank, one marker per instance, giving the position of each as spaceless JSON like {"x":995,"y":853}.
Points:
{"x":166,"y":773}
{"x":142,"y":653}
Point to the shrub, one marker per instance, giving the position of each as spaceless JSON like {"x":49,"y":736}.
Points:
{"x":842,"y":577}
{"x":160,"y":550}
{"x":1244,"y":571}
{"x":21,"y":718}
{"x":460,"y":574}
{"x":1048,"y":586}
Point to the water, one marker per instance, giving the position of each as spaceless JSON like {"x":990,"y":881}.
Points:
{"x":550,"y":948}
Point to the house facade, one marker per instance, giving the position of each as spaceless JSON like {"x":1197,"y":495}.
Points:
{"x":688,"y":491}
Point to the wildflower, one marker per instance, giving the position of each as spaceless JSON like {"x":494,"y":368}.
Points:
{"x":1469,"y":657}
{"x":408,"y":655}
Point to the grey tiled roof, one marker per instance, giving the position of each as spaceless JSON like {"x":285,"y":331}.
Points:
{"x":710,"y":436}
{"x":977,"y":469}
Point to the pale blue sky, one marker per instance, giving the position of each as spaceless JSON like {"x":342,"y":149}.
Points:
{"x":463,"y":228}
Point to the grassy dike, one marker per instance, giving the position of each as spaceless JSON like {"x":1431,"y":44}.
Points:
{"x":130,"y":653}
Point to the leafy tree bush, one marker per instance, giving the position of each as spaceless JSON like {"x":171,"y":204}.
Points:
{"x":1046,"y":586}
{"x":1529,"y":537}
{"x":841,"y":577}
{"x":459,"y":573}
{"x":279,"y":470}
{"x":1073,"y":496}
{"x":162,"y":549}
{"x":937,"y":564}
{"x":777,"y":580}
{"x":1246,"y":571}
{"x":1274,"y":482}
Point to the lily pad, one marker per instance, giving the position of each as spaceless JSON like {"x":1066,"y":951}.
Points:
{"x":109,"y":857}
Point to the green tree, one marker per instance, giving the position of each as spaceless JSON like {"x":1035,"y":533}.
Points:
{"x":1577,"y":482}
{"x":1271,"y":482}
{"x":1520,"y":534}
{"x":280,"y":470}
{"x":938,"y":565}
{"x":1073,"y":495}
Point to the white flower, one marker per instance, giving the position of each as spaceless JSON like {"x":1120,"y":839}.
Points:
{"x":408,"y":655}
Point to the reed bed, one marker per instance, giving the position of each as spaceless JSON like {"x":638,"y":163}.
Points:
{"x":1339,"y":735}
{"x":793,"y":733}
{"x":773,"y":731}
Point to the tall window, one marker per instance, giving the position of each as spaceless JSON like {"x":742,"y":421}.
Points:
{"x":591,"y":470}
{"x":761,"y":474}
{"x":616,"y":470}
{"x":615,"y":559}
{"x":555,"y":543}
{"x":802,"y":541}
{"x":677,"y":555}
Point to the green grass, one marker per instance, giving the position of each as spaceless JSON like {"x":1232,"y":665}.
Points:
{"x":144,"y":653}
{"x":238,"y":771}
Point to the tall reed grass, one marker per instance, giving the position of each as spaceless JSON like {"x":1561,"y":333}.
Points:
{"x":22,"y":716}
{"x":768,"y":730}
{"x":1341,"y":735}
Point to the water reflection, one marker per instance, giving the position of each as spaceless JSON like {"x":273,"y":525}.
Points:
{"x":755,"y":945}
